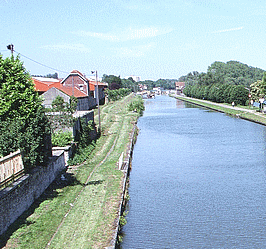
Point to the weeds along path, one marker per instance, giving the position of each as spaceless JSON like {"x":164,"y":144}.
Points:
{"x":81,"y":213}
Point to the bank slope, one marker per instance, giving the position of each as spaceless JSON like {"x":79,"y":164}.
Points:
{"x":241,"y":112}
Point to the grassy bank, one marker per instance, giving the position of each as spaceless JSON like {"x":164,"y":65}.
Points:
{"x":241,"y":112}
{"x":80,"y":212}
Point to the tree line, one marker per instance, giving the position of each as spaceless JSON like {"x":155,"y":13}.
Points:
{"x":224,"y":82}
{"x":115,"y":82}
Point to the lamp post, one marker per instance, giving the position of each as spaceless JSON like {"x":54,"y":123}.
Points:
{"x":97,"y":98}
{"x":11,"y":48}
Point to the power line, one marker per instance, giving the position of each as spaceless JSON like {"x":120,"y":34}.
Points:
{"x":40,"y":63}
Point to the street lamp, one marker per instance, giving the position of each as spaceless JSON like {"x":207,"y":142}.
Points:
{"x":97,"y":98}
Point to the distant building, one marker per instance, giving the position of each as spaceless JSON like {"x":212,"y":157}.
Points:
{"x":135,"y":78}
{"x":157,"y":90}
{"x":142,"y":87}
{"x":75,"y":84}
{"x":179,"y":87}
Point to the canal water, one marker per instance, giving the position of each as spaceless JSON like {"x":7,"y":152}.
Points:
{"x":198,"y":180}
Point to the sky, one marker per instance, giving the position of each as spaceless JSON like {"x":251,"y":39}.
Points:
{"x":148,"y":38}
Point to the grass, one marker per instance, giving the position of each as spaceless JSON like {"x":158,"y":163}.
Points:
{"x":254,"y":117}
{"x":81,"y":212}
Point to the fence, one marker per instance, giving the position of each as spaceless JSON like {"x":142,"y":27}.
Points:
{"x":11,"y":167}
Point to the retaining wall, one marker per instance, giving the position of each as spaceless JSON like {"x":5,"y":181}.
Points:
{"x":17,"y":198}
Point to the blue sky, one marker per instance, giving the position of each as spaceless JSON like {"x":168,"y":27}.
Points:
{"x":148,"y":38}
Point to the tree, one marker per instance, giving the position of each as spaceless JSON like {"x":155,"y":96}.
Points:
{"x":23,"y":122}
{"x":113,"y":81}
{"x":258,"y":88}
{"x":63,"y":119}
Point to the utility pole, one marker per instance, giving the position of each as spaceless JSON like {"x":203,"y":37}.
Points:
{"x":10,"y":47}
{"x":97,"y":98}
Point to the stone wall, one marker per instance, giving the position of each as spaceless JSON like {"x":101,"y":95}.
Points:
{"x":17,"y":198}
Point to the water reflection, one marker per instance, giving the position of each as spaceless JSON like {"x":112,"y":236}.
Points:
{"x":197,"y":180}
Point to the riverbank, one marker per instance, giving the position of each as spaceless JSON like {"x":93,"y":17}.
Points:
{"x":81,"y":209}
{"x":241,"y":112}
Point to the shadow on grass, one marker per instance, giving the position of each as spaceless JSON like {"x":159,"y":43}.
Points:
{"x":95,"y":182}
{"x":62,"y":181}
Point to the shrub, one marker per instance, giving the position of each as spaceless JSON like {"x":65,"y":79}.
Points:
{"x":114,"y":95}
{"x":61,"y":138}
{"x":137,"y":105}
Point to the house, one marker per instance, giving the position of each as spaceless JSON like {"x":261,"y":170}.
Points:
{"x":66,"y":92}
{"x":179,"y":86}
{"x":101,"y":87}
{"x":75,"y":84}
{"x":78,"y":80}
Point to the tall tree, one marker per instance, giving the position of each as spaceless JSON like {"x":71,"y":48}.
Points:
{"x":114,"y":82}
{"x":23,"y":123}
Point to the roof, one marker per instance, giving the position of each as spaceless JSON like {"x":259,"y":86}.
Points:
{"x":70,"y":91}
{"x":94,"y":83}
{"x":180,"y":83}
{"x":75,"y":73}
{"x":47,"y":80}
{"x":42,"y":85}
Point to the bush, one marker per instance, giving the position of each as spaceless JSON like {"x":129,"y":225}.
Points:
{"x":117,"y":94}
{"x":137,"y":105}
{"x":85,"y":145}
{"x":62,"y":139}
{"x":82,"y":154}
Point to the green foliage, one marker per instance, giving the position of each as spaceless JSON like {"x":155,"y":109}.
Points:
{"x":130,"y":84}
{"x":54,"y":75}
{"x":163,"y":83}
{"x":113,"y":81}
{"x":258,"y":88}
{"x":85,"y":144}
{"x":23,"y":122}
{"x":82,"y":136}
{"x":63,"y":118}
{"x":225,"y":82}
{"x":61,"y":138}
{"x":82,"y":155}
{"x":117,"y":94}
{"x":230,"y":73}
{"x":137,"y":105}
{"x":59,"y":104}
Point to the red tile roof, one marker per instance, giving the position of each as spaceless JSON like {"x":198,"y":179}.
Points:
{"x":43,"y":84}
{"x":70,"y":91}
{"x":93,"y":84}
{"x":40,"y":86}
{"x":78,"y":72}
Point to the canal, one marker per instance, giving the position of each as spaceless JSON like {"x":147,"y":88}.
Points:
{"x":198,"y":180}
